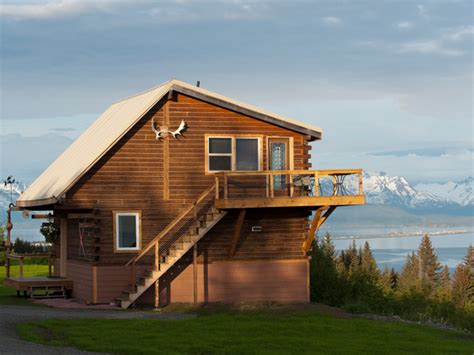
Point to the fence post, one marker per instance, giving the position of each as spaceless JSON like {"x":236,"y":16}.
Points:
{"x":50,"y":273}
{"x":21,"y":267}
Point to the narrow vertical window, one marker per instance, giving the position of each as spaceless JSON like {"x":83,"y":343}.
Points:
{"x":247,"y":154}
{"x":127,"y":231}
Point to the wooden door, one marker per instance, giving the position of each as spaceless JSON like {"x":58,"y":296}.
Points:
{"x":279,"y":159}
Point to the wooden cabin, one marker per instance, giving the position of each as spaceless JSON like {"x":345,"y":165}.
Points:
{"x":179,"y":194}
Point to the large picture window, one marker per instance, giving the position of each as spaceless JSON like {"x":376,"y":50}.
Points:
{"x":233,"y":154}
{"x":127,"y":231}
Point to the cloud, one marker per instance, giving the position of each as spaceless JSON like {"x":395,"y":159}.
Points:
{"x":443,"y":45}
{"x":331,"y":20}
{"x":429,"y":47}
{"x":405,"y":25}
{"x":57,"y":8}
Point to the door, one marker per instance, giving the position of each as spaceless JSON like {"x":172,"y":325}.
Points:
{"x":279,"y":159}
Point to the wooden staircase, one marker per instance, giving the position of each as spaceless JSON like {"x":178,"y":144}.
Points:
{"x":167,"y":253}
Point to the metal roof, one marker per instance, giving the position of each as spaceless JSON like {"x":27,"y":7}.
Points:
{"x":114,"y":123}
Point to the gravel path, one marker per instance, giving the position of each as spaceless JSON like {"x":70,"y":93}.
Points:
{"x":10,"y":343}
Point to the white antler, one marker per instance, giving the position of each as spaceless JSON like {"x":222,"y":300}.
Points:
{"x":157,"y":133}
{"x":182,"y":127}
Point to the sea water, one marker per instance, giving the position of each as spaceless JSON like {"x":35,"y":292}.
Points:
{"x":391,"y":246}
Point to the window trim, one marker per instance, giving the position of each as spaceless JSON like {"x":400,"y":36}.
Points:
{"x":138,"y":230}
{"x":233,"y":154}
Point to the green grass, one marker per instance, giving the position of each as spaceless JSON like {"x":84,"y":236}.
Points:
{"x":248,"y":333}
{"x":8,"y":295}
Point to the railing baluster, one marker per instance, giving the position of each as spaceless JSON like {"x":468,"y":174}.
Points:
{"x":360,"y":184}
{"x":334,"y":185}
{"x":291,"y":185}
{"x":226,"y":186}
{"x":272,"y":192}
{"x":157,"y":257}
{"x":316,"y":184}
{"x":216,"y":178}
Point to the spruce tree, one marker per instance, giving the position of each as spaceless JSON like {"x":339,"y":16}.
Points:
{"x":429,"y":267}
{"x":408,"y":279}
{"x":463,"y":280}
{"x":368,"y":264}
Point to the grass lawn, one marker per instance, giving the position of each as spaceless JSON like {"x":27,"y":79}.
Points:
{"x":247,"y":332}
{"x":8,"y":295}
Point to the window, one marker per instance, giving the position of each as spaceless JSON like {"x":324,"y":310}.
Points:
{"x":220,"y":154}
{"x":246,"y":154}
{"x":233,"y":154}
{"x":127,"y":231}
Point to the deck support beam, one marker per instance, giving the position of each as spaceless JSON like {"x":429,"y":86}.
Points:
{"x":318,"y":219}
{"x":237,"y":232}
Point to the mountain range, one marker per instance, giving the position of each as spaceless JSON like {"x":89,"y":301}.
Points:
{"x":379,"y":189}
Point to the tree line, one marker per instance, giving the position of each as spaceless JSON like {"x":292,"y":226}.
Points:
{"x":422,"y":290}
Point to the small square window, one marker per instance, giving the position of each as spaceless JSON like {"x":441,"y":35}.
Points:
{"x":220,"y":163}
{"x":220,"y":145}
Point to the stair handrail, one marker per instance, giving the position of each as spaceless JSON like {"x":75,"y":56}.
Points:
{"x":171,"y":225}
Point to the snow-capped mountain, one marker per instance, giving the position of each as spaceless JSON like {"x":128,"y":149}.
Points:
{"x":461,"y":192}
{"x":382,"y":189}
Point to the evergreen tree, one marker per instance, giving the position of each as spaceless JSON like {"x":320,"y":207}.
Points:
{"x":429,"y":267}
{"x":393,"y":279}
{"x":445,"y":280}
{"x":463,"y":280}
{"x":368,"y":264}
{"x":408,"y":279}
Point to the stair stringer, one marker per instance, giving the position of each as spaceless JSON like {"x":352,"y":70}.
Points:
{"x":164,"y":267}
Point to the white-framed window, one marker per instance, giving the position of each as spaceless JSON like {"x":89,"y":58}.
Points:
{"x":127,"y":231}
{"x":227,"y":153}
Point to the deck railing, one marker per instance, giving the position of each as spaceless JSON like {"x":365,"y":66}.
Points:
{"x":21,"y":258}
{"x":285,"y":183}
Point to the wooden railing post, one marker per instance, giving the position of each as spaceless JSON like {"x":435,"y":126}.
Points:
{"x":21,"y":268}
{"x":226,"y":186}
{"x":334,"y":185}
{"x":272,"y":191}
{"x":360,"y":184}
{"x":195,"y":219}
{"x":216,"y":178}
{"x":157,"y":257}
{"x":316,"y":184}
{"x":291,"y":185}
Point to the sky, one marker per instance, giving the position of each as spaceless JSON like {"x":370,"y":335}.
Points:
{"x":389,"y":82}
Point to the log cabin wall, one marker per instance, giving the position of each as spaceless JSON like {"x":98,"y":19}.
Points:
{"x":131,"y":177}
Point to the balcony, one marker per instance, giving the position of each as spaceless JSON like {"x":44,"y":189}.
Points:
{"x":289,"y":188}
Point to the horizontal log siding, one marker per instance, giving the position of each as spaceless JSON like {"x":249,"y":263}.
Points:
{"x":130,"y":177}
{"x":235,"y":281}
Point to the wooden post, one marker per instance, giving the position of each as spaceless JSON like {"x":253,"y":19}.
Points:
{"x":291,"y":185}
{"x":334,"y":185}
{"x":157,"y":294}
{"x":360,"y":184}
{"x":8,"y":244}
{"x":267,"y":190}
{"x":216,"y":178}
{"x":226,"y":186}
{"x":237,"y":232}
{"x":316,"y":184}
{"x":157,"y":257}
{"x":94,"y":284}
{"x":195,"y":292}
{"x":21,"y":267}
{"x":63,"y":248}
{"x":166,"y":155}
{"x":272,"y":192}
{"x":195,"y":219}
